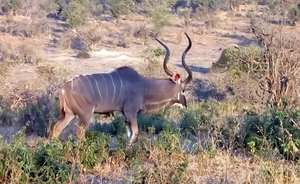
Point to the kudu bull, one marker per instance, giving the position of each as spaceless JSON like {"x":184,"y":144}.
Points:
{"x":123,"y":90}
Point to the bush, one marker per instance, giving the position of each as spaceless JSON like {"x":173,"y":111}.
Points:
{"x":95,"y":150}
{"x":49,"y":6}
{"x":160,"y":18}
{"x":243,"y":66}
{"x":17,"y":54}
{"x":6,"y":115}
{"x":154,"y":62}
{"x":5,"y":68}
{"x":66,"y":40}
{"x":116,"y":127}
{"x":274,"y":129}
{"x":51,"y":163}
{"x":12,"y":5}
{"x":31,"y":29}
{"x":249,"y":59}
{"x":26,"y":54}
{"x":76,"y":12}
{"x":210,"y":4}
{"x":90,"y":37}
{"x":119,"y":7}
{"x":294,"y":14}
{"x":97,"y":10}
{"x":83,"y":55}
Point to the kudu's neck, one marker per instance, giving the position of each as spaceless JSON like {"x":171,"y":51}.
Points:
{"x":159,"y":89}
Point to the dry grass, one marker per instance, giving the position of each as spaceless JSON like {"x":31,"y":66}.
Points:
{"x":208,"y":166}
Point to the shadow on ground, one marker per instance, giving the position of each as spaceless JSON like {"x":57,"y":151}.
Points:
{"x":196,"y":68}
{"x":242,"y":40}
{"x":204,"y":89}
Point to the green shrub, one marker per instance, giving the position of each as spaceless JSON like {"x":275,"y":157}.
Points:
{"x":243,"y":68}
{"x":274,"y":130}
{"x":160,"y":18}
{"x":76,"y":12}
{"x":83,"y":55}
{"x":209,"y":4}
{"x":294,"y":14}
{"x":154,"y":65}
{"x":95,"y":150}
{"x":170,"y":162}
{"x":6,"y":115}
{"x":40,"y":114}
{"x":16,"y":160}
{"x":97,"y":10}
{"x":119,"y":7}
{"x":12,"y":5}
{"x":49,"y":6}
{"x":51,"y":163}
{"x":116,"y":127}
{"x":205,"y":117}
{"x":240,"y":60}
{"x":153,"y":122}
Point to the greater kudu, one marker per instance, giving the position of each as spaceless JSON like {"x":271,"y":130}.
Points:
{"x":123,"y":90}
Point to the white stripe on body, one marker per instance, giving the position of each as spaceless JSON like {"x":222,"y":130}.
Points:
{"x":99,"y":92}
{"x":90,"y":84}
{"x":105,"y":87}
{"x":113,"y":83}
{"x":72,"y":84}
{"x":83,"y":85}
{"x":121,"y":88}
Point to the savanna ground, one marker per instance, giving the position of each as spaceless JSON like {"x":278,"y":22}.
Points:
{"x":242,"y":121}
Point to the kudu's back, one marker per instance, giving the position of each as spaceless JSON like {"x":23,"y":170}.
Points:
{"x":106,"y":91}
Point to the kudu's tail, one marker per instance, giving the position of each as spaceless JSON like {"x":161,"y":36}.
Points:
{"x":62,"y":103}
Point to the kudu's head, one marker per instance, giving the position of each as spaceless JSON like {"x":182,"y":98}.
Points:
{"x":180,"y":85}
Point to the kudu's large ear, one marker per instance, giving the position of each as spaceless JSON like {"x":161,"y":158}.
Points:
{"x":176,"y":78}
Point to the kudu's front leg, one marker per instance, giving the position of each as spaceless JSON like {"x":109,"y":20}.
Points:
{"x":84,"y":121}
{"x":132,"y":127}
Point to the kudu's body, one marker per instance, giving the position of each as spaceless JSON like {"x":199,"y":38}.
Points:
{"x":123,"y":90}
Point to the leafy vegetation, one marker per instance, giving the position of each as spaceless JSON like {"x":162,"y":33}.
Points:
{"x":119,"y":8}
{"x":77,"y":12}
{"x":160,"y":18}
{"x":256,"y":132}
{"x":163,"y":151}
{"x":294,"y":14}
{"x":83,"y":54}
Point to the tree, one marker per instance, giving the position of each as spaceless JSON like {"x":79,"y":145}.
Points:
{"x":120,"y":7}
{"x":77,"y":11}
